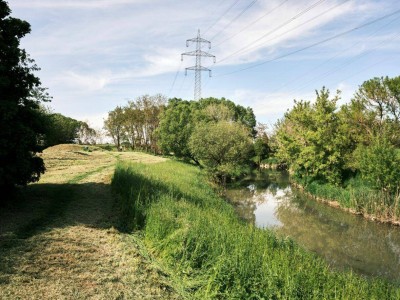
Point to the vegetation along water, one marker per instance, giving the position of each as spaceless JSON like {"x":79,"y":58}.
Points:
{"x":166,"y":231}
{"x":344,"y":240}
{"x":202,"y":244}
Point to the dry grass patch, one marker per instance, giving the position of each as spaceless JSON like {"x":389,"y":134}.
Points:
{"x":61,"y":243}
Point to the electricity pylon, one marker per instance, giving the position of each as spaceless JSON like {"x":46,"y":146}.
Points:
{"x":198,"y":68}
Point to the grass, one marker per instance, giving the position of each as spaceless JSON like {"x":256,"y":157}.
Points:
{"x":358,"y":196}
{"x":209,"y":253}
{"x":61,"y":240}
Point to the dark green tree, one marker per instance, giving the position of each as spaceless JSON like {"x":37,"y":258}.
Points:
{"x":176,"y":127}
{"x":21,"y":120}
{"x":61,"y":130}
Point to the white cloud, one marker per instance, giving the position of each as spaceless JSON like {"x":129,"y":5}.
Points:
{"x":90,"y":82}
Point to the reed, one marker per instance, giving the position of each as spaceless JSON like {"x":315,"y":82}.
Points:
{"x":358,"y":196}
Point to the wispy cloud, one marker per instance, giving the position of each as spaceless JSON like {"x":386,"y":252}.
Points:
{"x":74,"y":3}
{"x":117,"y":49}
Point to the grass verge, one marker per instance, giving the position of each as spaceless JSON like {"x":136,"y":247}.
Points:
{"x":209,"y":253}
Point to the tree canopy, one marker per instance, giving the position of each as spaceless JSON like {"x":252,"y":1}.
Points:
{"x":323,"y":142}
{"x":136,"y":123}
{"x":215,"y":133}
{"x":21,"y":120}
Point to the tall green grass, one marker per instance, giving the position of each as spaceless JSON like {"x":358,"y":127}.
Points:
{"x":198,"y":237}
{"x":358,"y":195}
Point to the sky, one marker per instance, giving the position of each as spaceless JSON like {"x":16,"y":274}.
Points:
{"x":97,"y":54}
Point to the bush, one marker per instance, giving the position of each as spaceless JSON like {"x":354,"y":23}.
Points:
{"x":380,"y":165}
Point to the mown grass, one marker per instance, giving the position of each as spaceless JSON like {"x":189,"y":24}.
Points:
{"x":201,"y":243}
{"x":359,"y":196}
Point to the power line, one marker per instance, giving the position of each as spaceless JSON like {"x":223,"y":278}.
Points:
{"x":173,"y":83}
{"x":300,"y":25}
{"x":274,"y":30}
{"x":181,"y":86}
{"x":344,"y":64}
{"x":225,"y":12}
{"x":314,"y":44}
{"x":235,"y":18}
{"x":252,"y":23}
{"x":336,"y":55}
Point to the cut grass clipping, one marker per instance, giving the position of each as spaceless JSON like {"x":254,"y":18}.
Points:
{"x":200,"y":241}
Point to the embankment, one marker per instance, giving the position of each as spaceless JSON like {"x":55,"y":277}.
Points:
{"x":208,"y":252}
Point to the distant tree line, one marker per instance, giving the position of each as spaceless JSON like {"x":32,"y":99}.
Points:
{"x":327,"y":143}
{"x":60,"y":129}
{"x":134,"y":125}
{"x":214,"y":133}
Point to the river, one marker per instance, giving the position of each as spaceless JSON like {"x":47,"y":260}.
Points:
{"x":344,"y":240}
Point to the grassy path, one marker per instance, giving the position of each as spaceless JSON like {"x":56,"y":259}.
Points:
{"x":61,"y":241}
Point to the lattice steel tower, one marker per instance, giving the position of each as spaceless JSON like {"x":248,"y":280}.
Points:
{"x":198,"y":68}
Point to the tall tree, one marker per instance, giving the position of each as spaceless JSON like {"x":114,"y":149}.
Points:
{"x":176,"y":126}
{"x":21,"y":120}
{"x":310,"y":139}
{"x":114,"y":126}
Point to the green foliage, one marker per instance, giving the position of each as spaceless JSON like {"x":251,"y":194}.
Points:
{"x":135,"y":124}
{"x":223,"y":147}
{"x":310,"y":139}
{"x":186,"y":125}
{"x":61,"y":130}
{"x":21,"y":121}
{"x":380,"y":165}
{"x":176,"y":126}
{"x":379,"y":99}
{"x":201,"y":243}
{"x":114,"y":126}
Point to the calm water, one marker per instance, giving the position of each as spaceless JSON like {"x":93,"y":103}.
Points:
{"x":345,"y":241}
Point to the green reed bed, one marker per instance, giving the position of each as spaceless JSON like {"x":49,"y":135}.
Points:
{"x":198,"y":239}
{"x":357,"y":195}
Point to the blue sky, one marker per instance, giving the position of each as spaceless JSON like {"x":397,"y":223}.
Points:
{"x":97,"y":54}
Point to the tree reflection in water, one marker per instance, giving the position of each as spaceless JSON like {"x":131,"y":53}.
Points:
{"x":345,"y":241}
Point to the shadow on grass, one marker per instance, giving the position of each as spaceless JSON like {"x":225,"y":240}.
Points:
{"x":44,"y":207}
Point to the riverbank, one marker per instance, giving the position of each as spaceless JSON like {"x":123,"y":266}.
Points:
{"x":369,"y":204}
{"x":208,"y":252}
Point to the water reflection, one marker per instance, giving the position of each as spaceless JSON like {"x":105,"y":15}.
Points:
{"x":343,"y":240}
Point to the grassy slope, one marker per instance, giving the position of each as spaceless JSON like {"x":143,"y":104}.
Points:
{"x":209,"y":253}
{"x":61,"y":241}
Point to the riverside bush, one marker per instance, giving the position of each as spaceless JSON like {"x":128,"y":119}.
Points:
{"x":197,"y":236}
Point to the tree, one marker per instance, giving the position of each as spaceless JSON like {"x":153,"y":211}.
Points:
{"x":175,"y":129}
{"x":21,"y":120}
{"x":380,"y":165}
{"x":86,"y":134}
{"x":114,"y":126}
{"x":379,"y":99}
{"x":180,"y":118}
{"x":223,"y":148}
{"x":310,"y":139}
{"x":61,"y":130}
{"x":261,"y":143}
